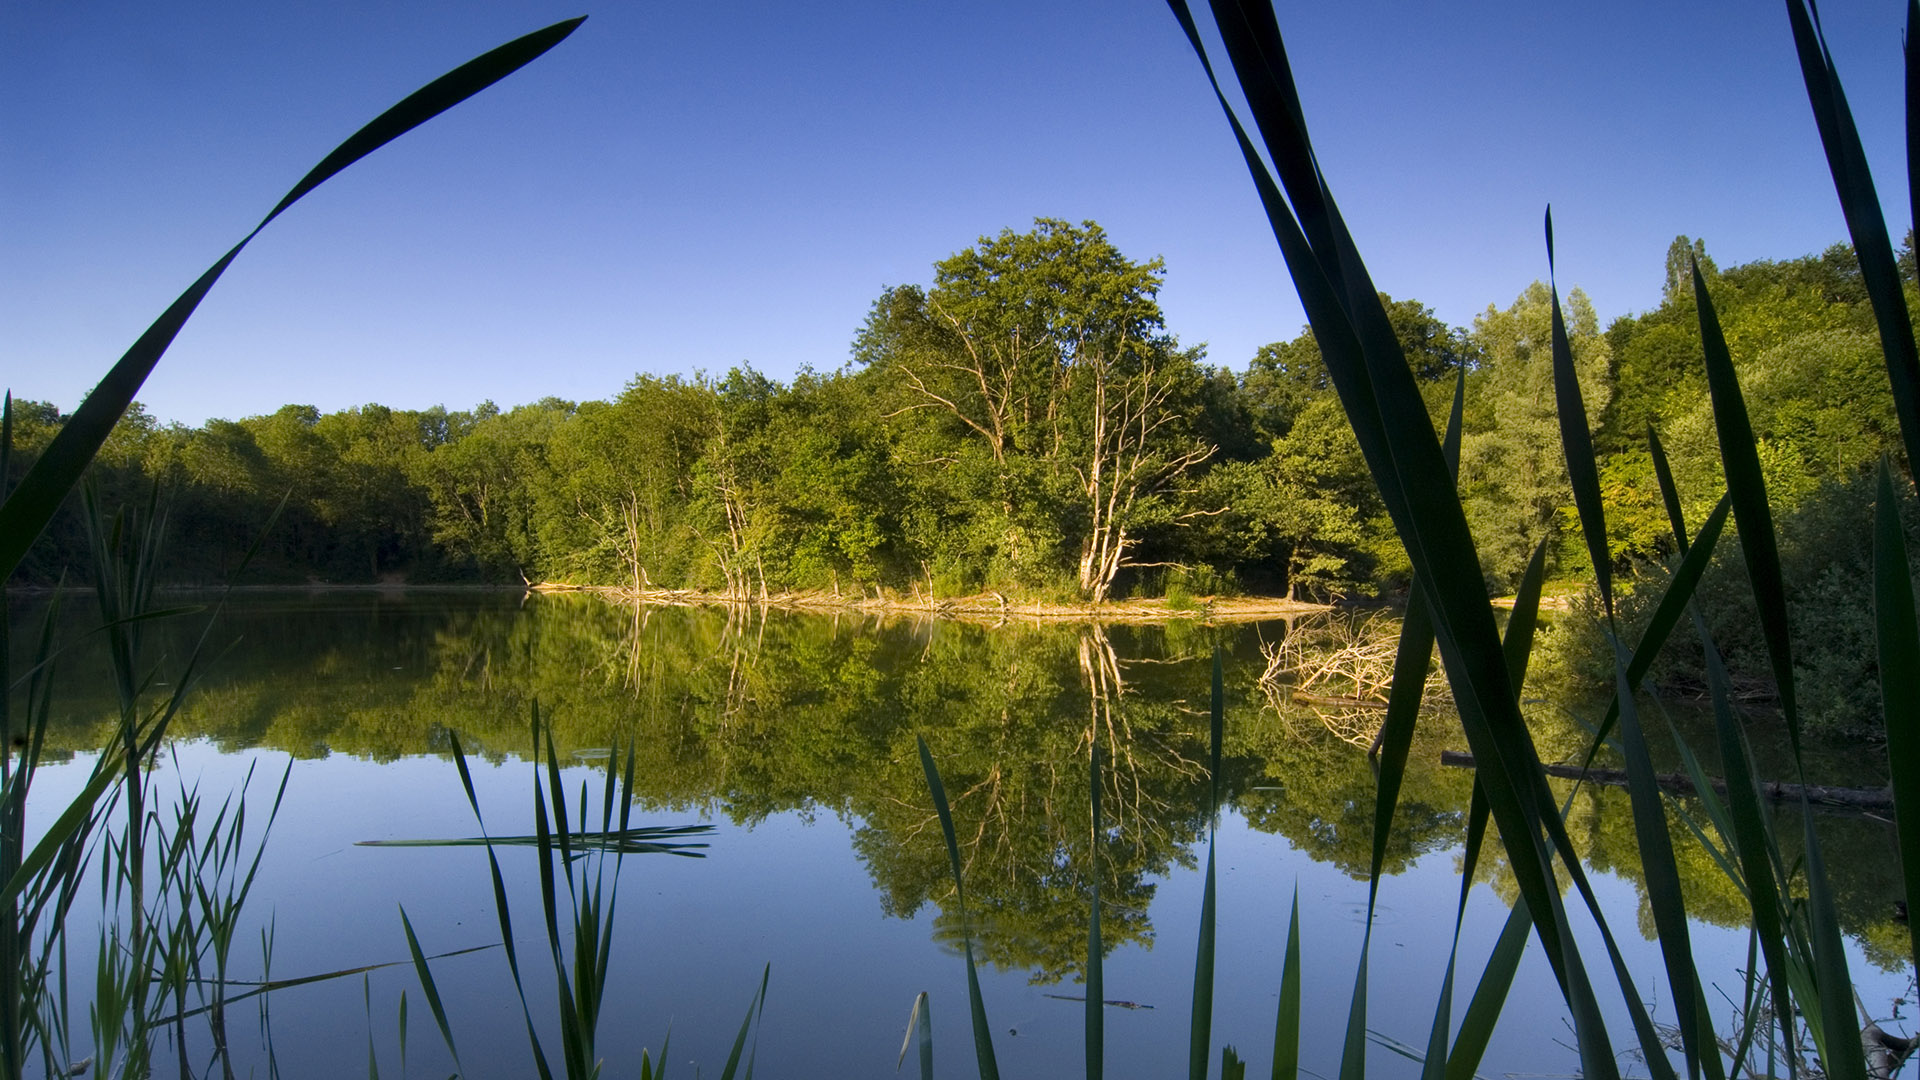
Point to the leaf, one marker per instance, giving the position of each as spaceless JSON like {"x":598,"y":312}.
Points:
{"x":1748,"y":490}
{"x":1096,"y":954}
{"x":1899,"y":653}
{"x":1200,"y":1033}
{"x":922,"y":1017}
{"x":30,"y":506}
{"x":1659,"y":867}
{"x":77,"y":816}
{"x":740,"y":1041}
{"x":1577,"y":442}
{"x":1286,"y":1023}
{"x":1200,"y":1029}
{"x":430,"y":989}
{"x":1753,"y":840}
{"x":1866,"y":225}
{"x":1834,"y":998}
{"x":1490,"y":996}
{"x":1396,"y":437}
{"x":982,"y":1032}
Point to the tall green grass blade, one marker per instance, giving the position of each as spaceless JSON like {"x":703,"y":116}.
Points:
{"x":1720,"y":846}
{"x":920,"y":1019}
{"x":982,"y":1032}
{"x":1751,"y":1023}
{"x":1748,"y":490}
{"x":431,"y":989}
{"x":1913,"y":121}
{"x":1834,"y":1000}
{"x":1413,"y":655}
{"x":1286,"y":1023}
{"x":1353,"y":1049}
{"x":754,"y":1007}
{"x":1435,"y":1063}
{"x":1412,"y":658}
{"x":1872,"y":246}
{"x":1216,"y":716}
{"x":373,"y":1062}
{"x":503,"y":912}
{"x":30,"y":506}
{"x":6,"y":448}
{"x":1231,"y":1067}
{"x":1650,"y":824}
{"x":403,"y":1034}
{"x":269,"y":986}
{"x":1669,"y":494}
{"x":1200,"y":1029}
{"x":926,"y":1037}
{"x":1753,"y":840}
{"x":1899,"y":652}
{"x":1096,"y":954}
{"x":644,"y":840}
{"x":1396,"y":438}
{"x":1517,"y":643}
{"x":1490,"y":996}
{"x":78,"y":816}
{"x":1577,"y":442}
{"x":1660,"y":868}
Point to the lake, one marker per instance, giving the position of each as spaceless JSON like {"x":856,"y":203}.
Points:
{"x":793,"y":735}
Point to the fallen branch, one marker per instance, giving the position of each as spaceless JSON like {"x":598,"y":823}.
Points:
{"x":1679,"y":784}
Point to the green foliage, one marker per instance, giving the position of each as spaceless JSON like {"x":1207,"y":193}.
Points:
{"x":1051,"y":418}
{"x":1513,"y":481}
{"x":1826,"y":559}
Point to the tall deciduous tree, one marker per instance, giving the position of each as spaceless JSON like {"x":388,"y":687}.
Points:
{"x":1040,"y":376}
{"x":1512,"y":474}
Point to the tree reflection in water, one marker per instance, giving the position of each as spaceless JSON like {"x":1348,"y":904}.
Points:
{"x":747,"y":712}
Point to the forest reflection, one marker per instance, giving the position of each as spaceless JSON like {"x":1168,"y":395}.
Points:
{"x":745,"y":713}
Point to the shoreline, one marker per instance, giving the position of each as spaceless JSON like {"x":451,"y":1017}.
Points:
{"x":981,"y":607}
{"x":988,"y":607}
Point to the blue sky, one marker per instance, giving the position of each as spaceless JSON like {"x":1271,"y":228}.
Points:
{"x":684,"y":187}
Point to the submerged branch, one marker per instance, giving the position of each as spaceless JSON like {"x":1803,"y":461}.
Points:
{"x":1679,"y":784}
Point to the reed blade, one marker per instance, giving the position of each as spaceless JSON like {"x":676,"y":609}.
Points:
{"x":1434,"y":1066}
{"x":1096,"y":1035}
{"x":1747,"y":488}
{"x":30,"y":506}
{"x":1659,"y":867}
{"x":1834,"y":997}
{"x":431,"y":989}
{"x":921,"y":1020}
{"x":982,"y":1032}
{"x":1753,"y":838}
{"x":1576,"y":441}
{"x":1489,"y":996}
{"x":1200,"y":1028}
{"x":1860,"y":205}
{"x":1286,"y":1023}
{"x":1396,"y":438}
{"x":754,"y":1008}
{"x":1669,"y":493}
{"x":1899,"y":652}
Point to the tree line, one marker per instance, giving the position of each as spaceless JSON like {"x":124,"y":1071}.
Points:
{"x":1025,"y":423}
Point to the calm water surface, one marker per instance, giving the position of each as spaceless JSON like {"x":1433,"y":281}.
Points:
{"x":794,"y":736}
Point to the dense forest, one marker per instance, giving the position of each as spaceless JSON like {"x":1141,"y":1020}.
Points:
{"x":1026,"y":424}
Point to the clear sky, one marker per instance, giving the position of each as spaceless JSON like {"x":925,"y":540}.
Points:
{"x":691,"y":186}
